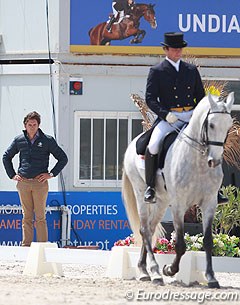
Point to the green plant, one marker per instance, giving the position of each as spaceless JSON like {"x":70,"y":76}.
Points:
{"x":228,"y":216}
{"x":223,"y":245}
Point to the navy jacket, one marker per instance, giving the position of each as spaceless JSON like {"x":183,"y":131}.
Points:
{"x":167,"y":88}
{"x":34,"y":158}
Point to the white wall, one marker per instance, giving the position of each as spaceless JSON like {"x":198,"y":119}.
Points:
{"x":21,"y":93}
{"x":108,"y":80}
{"x":23,"y":26}
{"x":23,"y":88}
{"x":105,"y":88}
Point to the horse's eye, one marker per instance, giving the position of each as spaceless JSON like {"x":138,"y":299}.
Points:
{"x":211,"y":125}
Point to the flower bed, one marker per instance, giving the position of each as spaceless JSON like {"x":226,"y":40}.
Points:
{"x":223,"y":245}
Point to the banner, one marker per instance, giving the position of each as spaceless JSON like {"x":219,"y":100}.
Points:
{"x":213,"y":26}
{"x":97,"y":218}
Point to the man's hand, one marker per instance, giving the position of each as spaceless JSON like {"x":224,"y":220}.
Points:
{"x":44,"y":177}
{"x":17,"y":178}
{"x":171,"y":118}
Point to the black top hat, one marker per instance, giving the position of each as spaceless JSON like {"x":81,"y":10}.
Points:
{"x":174,"y":40}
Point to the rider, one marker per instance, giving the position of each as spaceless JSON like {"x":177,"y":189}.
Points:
{"x":173,"y":90}
{"x":120,"y":9}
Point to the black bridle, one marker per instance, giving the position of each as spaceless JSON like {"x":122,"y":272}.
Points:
{"x":204,"y":132}
{"x":204,"y":141}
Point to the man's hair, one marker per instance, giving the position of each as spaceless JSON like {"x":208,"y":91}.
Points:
{"x":32,"y":116}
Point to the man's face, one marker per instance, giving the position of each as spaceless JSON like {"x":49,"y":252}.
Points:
{"x":32,"y":127}
{"x":173,"y":53}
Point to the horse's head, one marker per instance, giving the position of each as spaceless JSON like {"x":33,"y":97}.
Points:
{"x":146,"y":10}
{"x":149,"y":15}
{"x":215,"y":127}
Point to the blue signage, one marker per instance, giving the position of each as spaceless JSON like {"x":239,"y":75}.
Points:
{"x":205,"y":24}
{"x":97,"y":218}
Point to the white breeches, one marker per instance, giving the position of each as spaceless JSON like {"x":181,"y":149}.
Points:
{"x":164,"y":127}
{"x":121,"y":13}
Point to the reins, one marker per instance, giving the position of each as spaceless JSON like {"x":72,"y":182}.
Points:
{"x":204,"y":141}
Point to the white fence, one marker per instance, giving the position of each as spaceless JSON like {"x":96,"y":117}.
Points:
{"x":120,"y":262}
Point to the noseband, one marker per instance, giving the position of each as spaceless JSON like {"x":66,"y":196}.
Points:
{"x":205,"y":142}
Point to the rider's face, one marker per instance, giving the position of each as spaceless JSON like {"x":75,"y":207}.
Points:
{"x":173,"y":53}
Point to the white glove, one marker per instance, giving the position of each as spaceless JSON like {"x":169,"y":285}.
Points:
{"x":171,"y":118}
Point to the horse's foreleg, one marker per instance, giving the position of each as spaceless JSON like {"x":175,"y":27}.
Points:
{"x":137,"y":38}
{"x":142,"y":33}
{"x":180,"y":248}
{"x":208,"y":245}
{"x":147,"y":243}
{"x":142,"y":265}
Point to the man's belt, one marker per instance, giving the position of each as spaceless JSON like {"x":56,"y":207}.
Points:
{"x":181,"y":109}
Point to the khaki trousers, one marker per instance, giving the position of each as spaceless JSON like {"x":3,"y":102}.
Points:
{"x":33,"y":196}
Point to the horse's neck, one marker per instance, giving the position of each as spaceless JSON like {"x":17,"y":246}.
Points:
{"x":135,"y":18}
{"x":137,"y":13}
{"x":195,"y":125}
{"x":193,"y":130}
{"x":190,"y":138}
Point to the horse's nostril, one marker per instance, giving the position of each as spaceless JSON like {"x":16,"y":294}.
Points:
{"x":211,"y":163}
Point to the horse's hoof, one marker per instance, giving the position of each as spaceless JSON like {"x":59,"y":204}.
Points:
{"x":144,"y":278}
{"x":213,"y":284}
{"x":134,"y":41}
{"x":158,"y":281}
{"x":167,"y":270}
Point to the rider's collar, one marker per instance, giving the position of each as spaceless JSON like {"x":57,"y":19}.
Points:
{"x":173,"y":63}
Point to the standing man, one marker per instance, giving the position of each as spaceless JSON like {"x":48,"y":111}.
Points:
{"x":34,"y":148}
{"x":174,"y":88}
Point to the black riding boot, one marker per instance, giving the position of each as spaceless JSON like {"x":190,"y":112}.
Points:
{"x":110,"y":23}
{"x":150,"y":175}
{"x":221,"y":199}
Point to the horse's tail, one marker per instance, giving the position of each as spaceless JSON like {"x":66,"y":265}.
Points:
{"x":130,"y":203}
{"x":89,"y":32}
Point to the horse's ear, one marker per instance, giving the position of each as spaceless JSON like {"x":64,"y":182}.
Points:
{"x":230,"y":101}
{"x":211,"y":101}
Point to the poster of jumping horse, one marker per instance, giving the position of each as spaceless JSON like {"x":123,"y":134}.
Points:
{"x":209,"y":30}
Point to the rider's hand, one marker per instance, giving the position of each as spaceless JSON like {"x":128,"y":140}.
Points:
{"x":171,"y":118}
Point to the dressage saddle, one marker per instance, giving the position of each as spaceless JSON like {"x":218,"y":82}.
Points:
{"x":164,"y":145}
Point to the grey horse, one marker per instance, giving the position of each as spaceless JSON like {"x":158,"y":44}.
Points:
{"x":192,"y":174}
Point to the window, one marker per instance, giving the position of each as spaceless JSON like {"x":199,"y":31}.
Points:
{"x":101,"y":139}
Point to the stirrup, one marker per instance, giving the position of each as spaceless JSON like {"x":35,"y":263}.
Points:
{"x":149,"y":195}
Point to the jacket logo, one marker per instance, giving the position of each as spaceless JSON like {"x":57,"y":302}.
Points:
{"x":40,"y":144}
